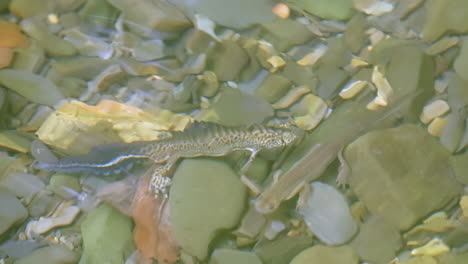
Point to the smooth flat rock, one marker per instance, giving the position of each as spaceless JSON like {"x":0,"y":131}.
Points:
{"x":328,"y":255}
{"x":50,"y":255}
{"x":107,"y":236}
{"x":12,"y":211}
{"x":377,"y":241}
{"x":34,"y":87}
{"x":332,"y":224}
{"x":443,"y":16}
{"x":327,"y":9}
{"x":206,"y":197}
{"x":230,"y":256}
{"x":402,"y":174}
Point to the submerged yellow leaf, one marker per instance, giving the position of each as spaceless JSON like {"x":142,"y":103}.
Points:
{"x":77,"y":127}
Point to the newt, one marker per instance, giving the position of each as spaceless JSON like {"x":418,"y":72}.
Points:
{"x":315,"y":160}
{"x":199,"y":139}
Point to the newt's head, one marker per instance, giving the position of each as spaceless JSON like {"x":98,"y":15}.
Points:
{"x":294,"y":134}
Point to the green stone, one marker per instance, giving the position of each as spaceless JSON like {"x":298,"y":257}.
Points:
{"x":60,"y":183}
{"x":285,"y":33}
{"x":26,"y":8}
{"x":234,"y":14}
{"x":80,"y":67}
{"x":329,"y":255}
{"x":34,"y":87}
{"x":369,"y":244}
{"x":98,"y":15}
{"x":273,"y":87}
{"x":453,"y":258}
{"x":228,"y":60}
{"x":443,"y":16}
{"x":283,"y":249}
{"x":354,"y":35}
{"x":300,"y":75}
{"x":461,"y":63}
{"x":13,"y":140}
{"x":51,"y":43}
{"x":146,"y":15}
{"x":397,"y":183}
{"x":453,"y":132}
{"x":421,"y":260}
{"x":206,"y":197}
{"x":236,"y":108}
{"x":459,"y":165}
{"x":230,"y":256}
{"x":107,"y":236}
{"x":457,"y":92}
{"x":50,"y":255}
{"x":4,"y":5}
{"x":406,"y":71}
{"x":326,"y":9}
{"x":332,"y":79}
{"x":30,"y":58}
{"x":337,"y":54}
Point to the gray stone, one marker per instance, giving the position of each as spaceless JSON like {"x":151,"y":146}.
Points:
{"x":12,"y":212}
{"x":333,"y":223}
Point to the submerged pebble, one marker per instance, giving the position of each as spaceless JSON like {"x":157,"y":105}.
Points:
{"x":107,"y":236}
{"x":334,"y":9}
{"x":434,"y":109}
{"x":309,"y":111}
{"x":332,"y":224}
{"x":230,"y":256}
{"x":12,"y":211}
{"x":378,"y":240}
{"x":63,"y":216}
{"x":328,"y":255}
{"x":23,"y":185}
{"x":53,"y":254}
{"x":34,"y":87}
{"x":405,"y":193}
{"x":206,"y":197}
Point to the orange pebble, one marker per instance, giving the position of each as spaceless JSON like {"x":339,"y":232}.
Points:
{"x":11,"y":36}
{"x":281,"y":10}
{"x":6,"y":57}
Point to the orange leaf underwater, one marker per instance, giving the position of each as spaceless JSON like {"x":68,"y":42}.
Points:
{"x":152,"y":234}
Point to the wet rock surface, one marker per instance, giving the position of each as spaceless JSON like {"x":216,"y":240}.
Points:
{"x":107,"y":236}
{"x":206,"y":197}
{"x":12,"y":213}
{"x":420,"y":180}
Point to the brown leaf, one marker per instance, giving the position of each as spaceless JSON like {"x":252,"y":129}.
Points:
{"x":152,"y":234}
{"x":12,"y":37}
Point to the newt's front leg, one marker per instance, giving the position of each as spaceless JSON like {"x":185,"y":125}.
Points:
{"x":160,"y":180}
